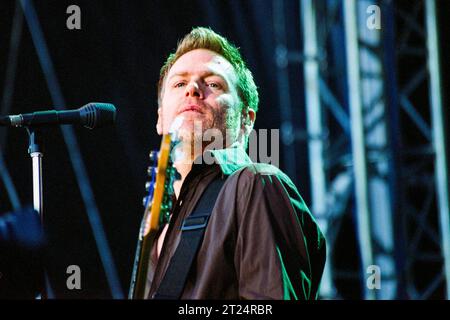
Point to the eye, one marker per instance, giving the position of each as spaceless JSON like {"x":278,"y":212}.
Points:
{"x":214,"y":85}
{"x":179,"y":84}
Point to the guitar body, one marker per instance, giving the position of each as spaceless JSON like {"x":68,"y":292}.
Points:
{"x":157,"y":207}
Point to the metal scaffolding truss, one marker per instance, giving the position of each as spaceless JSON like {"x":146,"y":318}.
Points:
{"x":328,"y":145}
{"x":424,"y":188}
{"x":362,"y":154}
{"x":357,"y":167}
{"x":328,"y":122}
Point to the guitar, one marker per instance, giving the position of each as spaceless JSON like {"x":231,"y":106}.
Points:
{"x":157,"y":208}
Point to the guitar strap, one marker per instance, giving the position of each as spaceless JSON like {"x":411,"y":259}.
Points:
{"x":192,"y":232}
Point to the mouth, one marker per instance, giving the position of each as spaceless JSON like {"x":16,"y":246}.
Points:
{"x":191,"y":108}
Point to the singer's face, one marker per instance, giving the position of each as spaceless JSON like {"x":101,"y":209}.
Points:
{"x":201,"y":88}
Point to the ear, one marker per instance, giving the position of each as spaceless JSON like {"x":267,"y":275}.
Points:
{"x":248,"y":119}
{"x":251,"y":114}
{"x":159,"y":128}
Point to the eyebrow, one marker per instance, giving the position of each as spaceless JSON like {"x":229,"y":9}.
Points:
{"x":203,"y":74}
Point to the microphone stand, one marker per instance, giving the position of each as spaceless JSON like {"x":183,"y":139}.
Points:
{"x":35,"y":150}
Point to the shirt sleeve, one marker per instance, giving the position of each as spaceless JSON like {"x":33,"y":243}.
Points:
{"x":280,"y":251}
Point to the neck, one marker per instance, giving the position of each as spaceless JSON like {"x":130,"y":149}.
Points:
{"x":186,"y":153}
{"x":185,"y":156}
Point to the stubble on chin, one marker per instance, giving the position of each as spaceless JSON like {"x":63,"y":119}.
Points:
{"x":219,"y":131}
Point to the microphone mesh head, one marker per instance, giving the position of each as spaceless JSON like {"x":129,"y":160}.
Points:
{"x":97,"y":115}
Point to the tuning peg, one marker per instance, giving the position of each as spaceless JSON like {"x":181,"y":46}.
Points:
{"x":169,"y":205}
{"x":153,"y":155}
{"x":151,"y":170}
{"x":169,"y":186}
{"x":167,"y":200}
{"x":144,"y":201}
{"x":147,"y":186}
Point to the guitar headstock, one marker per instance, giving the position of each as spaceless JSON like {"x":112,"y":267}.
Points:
{"x":158,"y":202}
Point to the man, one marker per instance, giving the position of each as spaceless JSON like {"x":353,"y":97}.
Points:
{"x":261,"y":242}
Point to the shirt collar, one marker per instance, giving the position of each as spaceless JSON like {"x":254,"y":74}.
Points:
{"x":229,"y":159}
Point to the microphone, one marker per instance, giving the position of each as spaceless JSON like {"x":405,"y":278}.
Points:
{"x":92,"y":115}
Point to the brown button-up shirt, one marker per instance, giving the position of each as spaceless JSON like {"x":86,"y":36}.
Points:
{"x":261,"y":241}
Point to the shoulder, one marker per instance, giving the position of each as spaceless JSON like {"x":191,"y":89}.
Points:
{"x":260,"y":179}
{"x":261,"y":169}
{"x":261,"y":172}
{"x":268,"y":186}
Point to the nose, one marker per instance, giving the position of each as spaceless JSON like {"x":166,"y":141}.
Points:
{"x":193,"y":90}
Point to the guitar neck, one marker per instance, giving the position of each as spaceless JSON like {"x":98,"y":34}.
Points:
{"x":157,"y":209}
{"x":141,"y":266}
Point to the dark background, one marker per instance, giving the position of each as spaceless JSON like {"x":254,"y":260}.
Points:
{"x":116,"y":58}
